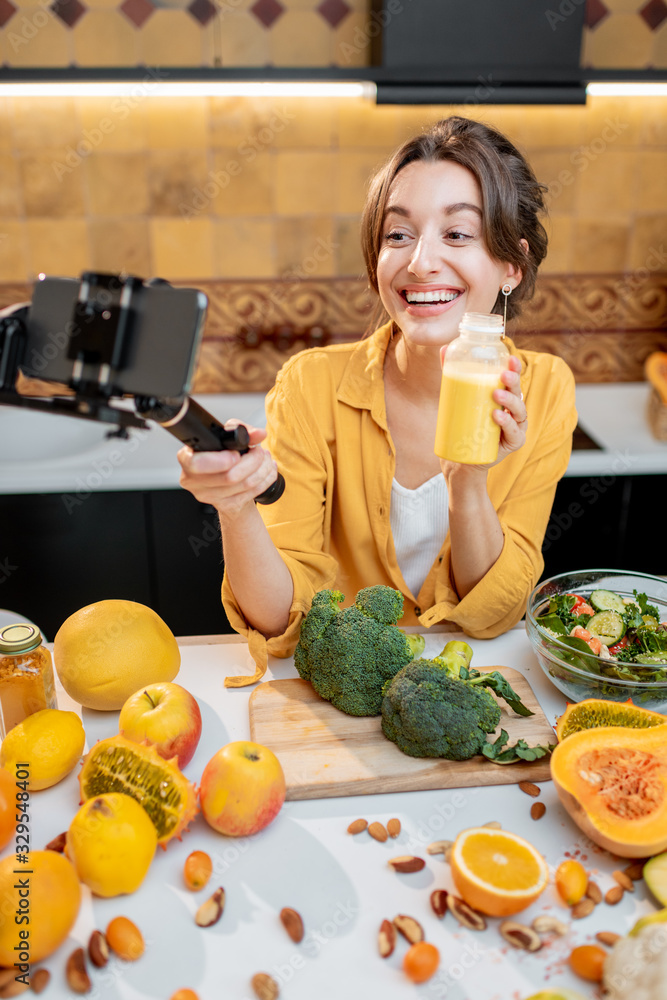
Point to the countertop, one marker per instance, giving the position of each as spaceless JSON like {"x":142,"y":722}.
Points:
{"x":51,"y":454}
{"x":341,"y":885}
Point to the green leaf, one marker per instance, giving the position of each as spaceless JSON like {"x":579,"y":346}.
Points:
{"x":501,"y":686}
{"x":499,"y":753}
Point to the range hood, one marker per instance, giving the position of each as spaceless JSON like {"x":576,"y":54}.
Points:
{"x":478,"y":51}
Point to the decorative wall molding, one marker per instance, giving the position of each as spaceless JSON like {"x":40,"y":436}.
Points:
{"x":604,"y":326}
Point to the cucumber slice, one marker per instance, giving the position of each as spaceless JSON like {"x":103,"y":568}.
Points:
{"x":607,"y":626}
{"x":607,"y":600}
{"x":651,"y":658}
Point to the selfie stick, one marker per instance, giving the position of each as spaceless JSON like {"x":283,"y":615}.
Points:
{"x":194,"y":426}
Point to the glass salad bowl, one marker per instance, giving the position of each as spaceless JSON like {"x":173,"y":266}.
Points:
{"x":571,"y":664}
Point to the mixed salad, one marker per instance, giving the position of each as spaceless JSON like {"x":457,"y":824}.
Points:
{"x":624,"y":632}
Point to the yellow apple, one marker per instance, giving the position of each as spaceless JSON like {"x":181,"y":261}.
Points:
{"x":166,"y":715}
{"x":242,"y":789}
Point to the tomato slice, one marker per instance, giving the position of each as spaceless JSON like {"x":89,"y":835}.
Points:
{"x":621,"y":644}
{"x":581,"y":606}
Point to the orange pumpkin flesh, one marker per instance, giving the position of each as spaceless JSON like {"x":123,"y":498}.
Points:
{"x":613,"y":783}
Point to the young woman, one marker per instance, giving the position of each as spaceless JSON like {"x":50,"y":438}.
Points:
{"x":449,"y":220}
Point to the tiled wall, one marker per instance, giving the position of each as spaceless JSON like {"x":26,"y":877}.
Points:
{"x":238,"y":188}
{"x":618,"y":33}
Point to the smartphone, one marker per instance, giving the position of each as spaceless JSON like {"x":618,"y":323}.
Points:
{"x":119,"y":333}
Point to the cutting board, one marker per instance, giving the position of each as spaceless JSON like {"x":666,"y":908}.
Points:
{"x":325,"y":753}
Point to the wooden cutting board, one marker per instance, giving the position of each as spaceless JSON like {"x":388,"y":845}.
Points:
{"x":325,"y":753}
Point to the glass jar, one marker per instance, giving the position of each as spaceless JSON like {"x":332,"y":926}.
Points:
{"x":466,"y":430}
{"x":26,"y":675}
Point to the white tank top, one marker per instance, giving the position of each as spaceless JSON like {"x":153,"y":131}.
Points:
{"x":419,"y":522}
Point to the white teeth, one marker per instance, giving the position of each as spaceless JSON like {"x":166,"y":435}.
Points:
{"x":430,"y":296}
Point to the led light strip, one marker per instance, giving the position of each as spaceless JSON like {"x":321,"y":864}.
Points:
{"x":152,"y":85}
{"x":627,"y":89}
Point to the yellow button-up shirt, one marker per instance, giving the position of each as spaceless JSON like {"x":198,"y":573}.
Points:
{"x":327,"y":430}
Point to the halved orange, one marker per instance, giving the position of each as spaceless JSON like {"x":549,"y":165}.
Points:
{"x":496,"y":872}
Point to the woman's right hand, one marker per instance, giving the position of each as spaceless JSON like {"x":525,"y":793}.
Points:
{"x":227,"y":480}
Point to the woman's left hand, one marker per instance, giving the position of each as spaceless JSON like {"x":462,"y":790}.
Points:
{"x":513,"y":417}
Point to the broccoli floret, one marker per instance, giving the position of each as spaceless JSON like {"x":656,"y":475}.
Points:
{"x":348,"y":654}
{"x":428,"y":711}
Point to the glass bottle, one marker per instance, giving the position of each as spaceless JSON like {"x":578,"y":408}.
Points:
{"x":26,"y":675}
{"x":466,"y":430}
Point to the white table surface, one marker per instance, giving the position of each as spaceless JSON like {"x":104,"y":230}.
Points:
{"x":341,"y":885}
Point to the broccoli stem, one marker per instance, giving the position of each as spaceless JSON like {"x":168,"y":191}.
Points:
{"x":455,"y":656}
{"x":416,"y":644}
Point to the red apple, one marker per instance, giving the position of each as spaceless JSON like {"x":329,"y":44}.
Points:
{"x":242,"y":789}
{"x":166,"y":715}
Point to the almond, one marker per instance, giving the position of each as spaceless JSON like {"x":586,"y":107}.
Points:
{"x":623,"y":880}
{"x":357,"y":826}
{"x":594,"y":892}
{"x":608,"y":937}
{"x":529,"y":788}
{"x":583,"y":908}
{"x":410,"y":928}
{"x":394,"y":827}
{"x":210,"y":912}
{"x":378,"y":832}
{"x":39,"y":980}
{"x":614,"y":895}
{"x":439,"y":902}
{"x":78,"y":979}
{"x":635,"y":870}
{"x":465,"y":914}
{"x":386,"y":938}
{"x":264,"y":987}
{"x":293,"y":924}
{"x":13,"y":988}
{"x":98,"y":949}
{"x":407,"y":863}
{"x":537,"y":810}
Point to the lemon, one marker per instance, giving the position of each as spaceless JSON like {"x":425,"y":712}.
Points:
{"x":50,"y":742}
{"x":106,"y":651}
{"x":111,"y":842}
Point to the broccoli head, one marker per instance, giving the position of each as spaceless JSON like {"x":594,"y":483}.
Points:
{"x":348,"y":654}
{"x":428,"y":711}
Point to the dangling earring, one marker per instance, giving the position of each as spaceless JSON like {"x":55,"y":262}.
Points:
{"x":507,"y":291}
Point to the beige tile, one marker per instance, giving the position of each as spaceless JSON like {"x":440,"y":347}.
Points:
{"x":647,"y":242}
{"x":555,"y":169}
{"x":654,"y":121}
{"x":7,"y":123}
{"x":242,"y":184}
{"x":182,"y":249}
{"x":659,"y":48}
{"x":36,"y":37}
{"x":599,"y":247}
{"x":301,"y":123}
{"x":117,"y":183}
{"x":306,"y":247}
{"x":362,"y":124}
{"x":105,"y":38}
{"x":177,"y":181}
{"x":13,"y":251}
{"x":614,"y":120}
{"x":236,"y":38}
{"x":177,"y":123}
{"x":11,"y":194}
{"x":244,"y":248}
{"x":122,"y":245}
{"x":550,"y":127}
{"x":349,"y":258}
{"x":624,"y":40}
{"x":355,"y":170}
{"x":238,"y":121}
{"x":559,"y":254}
{"x":351,"y":41}
{"x":59,"y":248}
{"x":39,"y":122}
{"x":116,"y":124}
{"x":652,"y":182}
{"x":623,"y":6}
{"x":170,"y":38}
{"x":607,"y":180}
{"x":300,"y":38}
{"x":53,"y":183}
{"x":304,"y":182}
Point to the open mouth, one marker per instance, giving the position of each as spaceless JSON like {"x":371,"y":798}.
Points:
{"x":434,"y":297}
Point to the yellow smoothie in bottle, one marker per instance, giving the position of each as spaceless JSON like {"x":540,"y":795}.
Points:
{"x":466,"y":430}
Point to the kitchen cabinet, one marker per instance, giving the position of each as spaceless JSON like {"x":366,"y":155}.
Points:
{"x":161,"y":548}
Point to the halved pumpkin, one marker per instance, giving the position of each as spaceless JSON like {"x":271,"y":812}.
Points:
{"x":596,"y":712}
{"x":613,"y":783}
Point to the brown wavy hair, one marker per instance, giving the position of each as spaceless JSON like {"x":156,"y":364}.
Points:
{"x":512,"y":199}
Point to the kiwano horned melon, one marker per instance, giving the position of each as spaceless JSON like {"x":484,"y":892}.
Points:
{"x":596,"y":712}
{"x":613,"y":783}
{"x":118,"y":765}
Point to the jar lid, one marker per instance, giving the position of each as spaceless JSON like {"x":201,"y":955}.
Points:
{"x":19,"y":638}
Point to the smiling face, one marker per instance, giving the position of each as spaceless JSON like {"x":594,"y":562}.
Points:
{"x":433,"y":264}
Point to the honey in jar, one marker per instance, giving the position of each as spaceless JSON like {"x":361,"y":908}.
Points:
{"x":26,"y":675}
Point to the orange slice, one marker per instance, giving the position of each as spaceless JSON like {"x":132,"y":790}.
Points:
{"x":496,"y":872}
